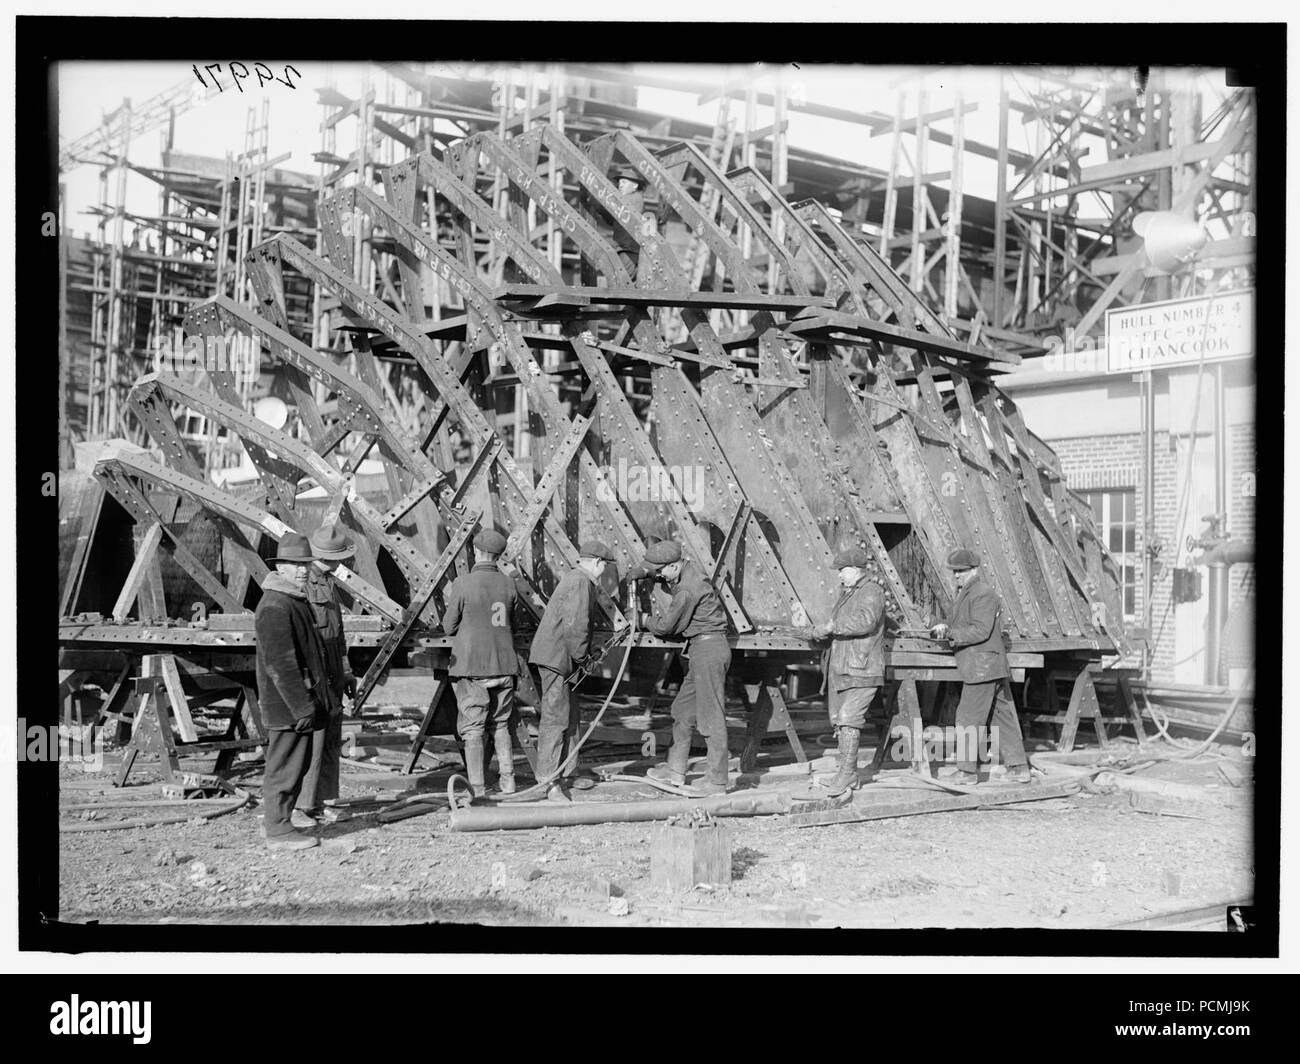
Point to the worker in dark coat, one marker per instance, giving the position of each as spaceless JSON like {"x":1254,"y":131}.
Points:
{"x":479,"y":614}
{"x":694,"y":613}
{"x":293,"y":688}
{"x":561,"y":644}
{"x":854,"y":665}
{"x":974,"y":628}
{"x":630,"y":184}
{"x":329,"y":547}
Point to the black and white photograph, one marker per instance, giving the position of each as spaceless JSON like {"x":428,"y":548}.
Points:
{"x":509,"y":482}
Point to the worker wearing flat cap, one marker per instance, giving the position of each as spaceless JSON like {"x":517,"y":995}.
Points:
{"x":479,"y":615}
{"x":974,"y":628}
{"x":561,"y":645}
{"x":853,"y":667}
{"x":293,"y":688}
{"x":329,"y":548}
{"x":693,"y":612}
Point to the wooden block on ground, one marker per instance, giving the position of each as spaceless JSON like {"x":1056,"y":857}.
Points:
{"x":682,"y":858}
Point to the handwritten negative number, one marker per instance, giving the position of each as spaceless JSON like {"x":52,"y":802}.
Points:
{"x":239,"y":72}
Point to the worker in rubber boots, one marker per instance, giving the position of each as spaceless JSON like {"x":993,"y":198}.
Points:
{"x":974,"y":628}
{"x":292,"y":687}
{"x":562,"y":644}
{"x":480,"y":607}
{"x":854,"y":665}
{"x":694,"y":612}
{"x":329,"y":547}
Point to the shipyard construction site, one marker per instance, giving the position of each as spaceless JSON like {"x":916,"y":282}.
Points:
{"x":741,"y":347}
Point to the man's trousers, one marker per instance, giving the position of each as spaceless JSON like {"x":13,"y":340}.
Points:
{"x":288,"y":756}
{"x":478,"y":705}
{"x":701,"y":705}
{"x":322,"y":779}
{"x":847,"y":707}
{"x":558,"y":725}
{"x":988,"y":706}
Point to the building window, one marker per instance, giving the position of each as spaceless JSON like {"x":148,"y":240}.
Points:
{"x":1115,"y":512}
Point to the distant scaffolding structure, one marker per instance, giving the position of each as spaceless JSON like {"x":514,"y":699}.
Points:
{"x":128,"y":288}
{"x":1057,"y":246}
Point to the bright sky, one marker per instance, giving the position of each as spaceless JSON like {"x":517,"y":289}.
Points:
{"x":87,"y":91}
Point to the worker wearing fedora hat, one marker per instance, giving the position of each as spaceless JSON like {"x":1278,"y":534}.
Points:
{"x":562,"y":644}
{"x":630,"y":184}
{"x":974,"y":628}
{"x":293,"y":688}
{"x":479,"y":615}
{"x":329,"y":548}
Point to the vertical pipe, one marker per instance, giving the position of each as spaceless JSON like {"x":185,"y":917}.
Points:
{"x":1000,"y":207}
{"x":1148,"y":502}
{"x":1219,"y":574}
{"x":918,"y":196}
{"x":952,"y":255}
{"x":65,"y":443}
{"x":891,"y":182}
{"x":115,"y":275}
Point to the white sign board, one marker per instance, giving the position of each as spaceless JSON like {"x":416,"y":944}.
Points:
{"x":1178,"y":331}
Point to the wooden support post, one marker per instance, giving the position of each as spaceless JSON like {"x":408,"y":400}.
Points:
{"x":164,"y":666}
{"x":1125,"y":691}
{"x":440,"y":692}
{"x":1083,"y":702}
{"x":151,"y":731}
{"x":907,"y":716}
{"x":767,"y":714}
{"x":145,"y":556}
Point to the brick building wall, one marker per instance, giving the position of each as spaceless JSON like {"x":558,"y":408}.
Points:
{"x":1115,"y":462}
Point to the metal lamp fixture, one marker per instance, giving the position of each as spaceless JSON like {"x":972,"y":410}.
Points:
{"x":1171,"y":240}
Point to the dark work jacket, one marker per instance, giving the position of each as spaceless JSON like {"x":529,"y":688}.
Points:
{"x":563,"y":636}
{"x":329,"y":622}
{"x":975,"y":629}
{"x":292,"y":675}
{"x":480,"y":609}
{"x":622,"y":238}
{"x":694,"y":609}
{"x":856,"y":657}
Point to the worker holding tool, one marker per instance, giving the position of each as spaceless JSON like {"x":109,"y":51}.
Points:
{"x":974,"y":629}
{"x":694,"y":612}
{"x":853,"y":667}
{"x":561,"y":646}
{"x":479,"y":615}
{"x":329,"y":547}
{"x":293,"y":689}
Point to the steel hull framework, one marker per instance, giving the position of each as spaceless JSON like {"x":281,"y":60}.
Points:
{"x":801,"y":400}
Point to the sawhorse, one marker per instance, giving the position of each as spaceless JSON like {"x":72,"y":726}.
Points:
{"x":767,"y":713}
{"x":907,"y":725}
{"x":158,"y":700}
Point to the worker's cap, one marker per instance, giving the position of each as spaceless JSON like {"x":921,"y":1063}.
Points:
{"x":626,"y":173}
{"x":665,"y":552}
{"x":594,"y":548}
{"x":854,"y":557}
{"x":329,"y":543}
{"x":490,"y":541}
{"x":294,"y":547}
{"x":963,"y":559}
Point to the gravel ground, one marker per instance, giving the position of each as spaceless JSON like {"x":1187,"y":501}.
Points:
{"x":1088,"y":860}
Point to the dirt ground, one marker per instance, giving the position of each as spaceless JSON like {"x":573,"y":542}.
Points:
{"x":1088,"y":860}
